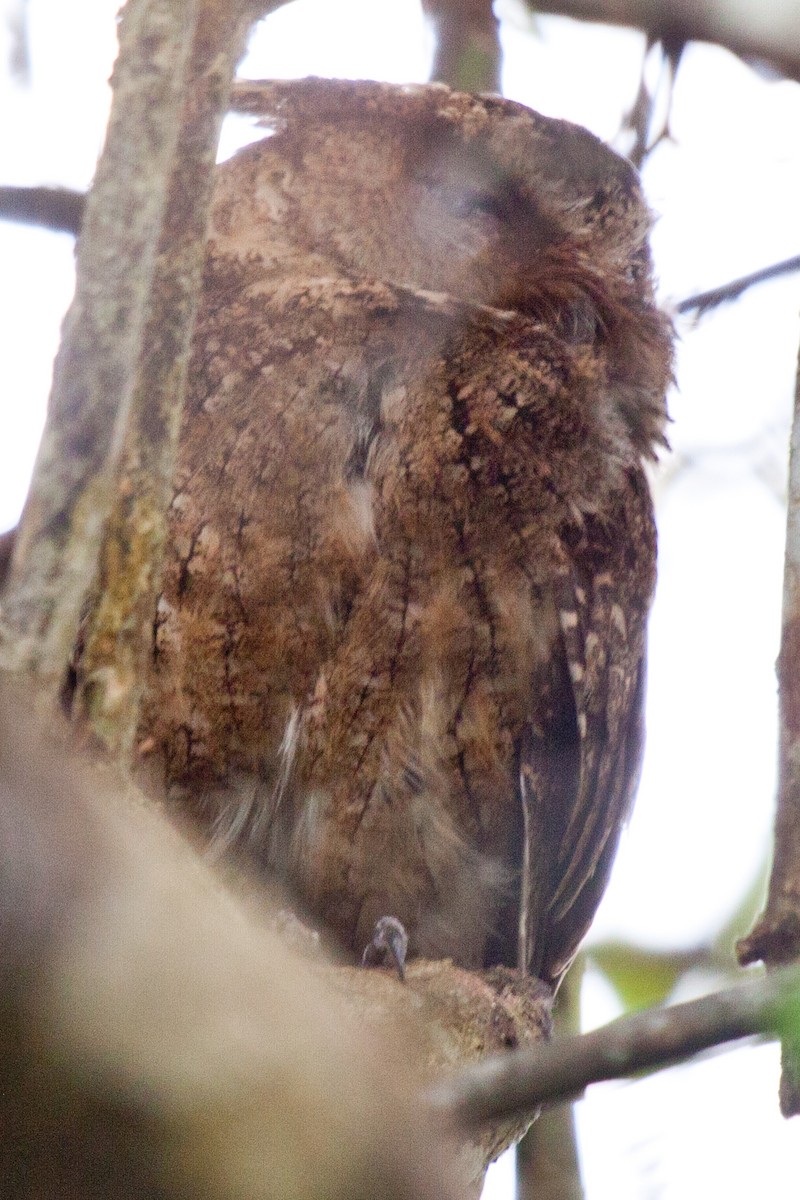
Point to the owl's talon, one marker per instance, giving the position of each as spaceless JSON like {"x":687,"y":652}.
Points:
{"x":388,"y":946}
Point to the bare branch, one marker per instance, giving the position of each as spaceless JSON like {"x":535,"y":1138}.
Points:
{"x":776,"y":937}
{"x":704,"y":301}
{"x":638,"y":119}
{"x":638,"y":122}
{"x":468,"y":55}
{"x":59,"y":209}
{"x":660,"y":1037}
{"x":746,"y":32}
{"x":548,"y":1166}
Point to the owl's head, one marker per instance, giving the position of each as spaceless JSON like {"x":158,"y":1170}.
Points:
{"x":435,"y":189}
{"x":474,"y":196}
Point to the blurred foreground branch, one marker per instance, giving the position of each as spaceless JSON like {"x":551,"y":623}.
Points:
{"x":153,"y":1023}
{"x":160,"y":1040}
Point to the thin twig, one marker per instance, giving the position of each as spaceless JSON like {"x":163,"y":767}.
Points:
{"x":703,"y":301}
{"x":59,"y":209}
{"x":520,"y":1081}
{"x":639,"y":120}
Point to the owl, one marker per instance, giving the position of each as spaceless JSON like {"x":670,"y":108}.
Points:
{"x":399,"y":653}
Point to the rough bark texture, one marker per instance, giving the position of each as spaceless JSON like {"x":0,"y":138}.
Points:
{"x":71,"y":492}
{"x":447,"y":1019}
{"x":118,"y":629}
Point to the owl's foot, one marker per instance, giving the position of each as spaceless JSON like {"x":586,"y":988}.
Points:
{"x":387,"y":947}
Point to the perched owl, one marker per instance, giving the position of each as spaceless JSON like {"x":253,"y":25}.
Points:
{"x":399,"y":654}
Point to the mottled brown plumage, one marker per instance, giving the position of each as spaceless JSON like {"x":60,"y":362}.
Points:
{"x":400,"y":648}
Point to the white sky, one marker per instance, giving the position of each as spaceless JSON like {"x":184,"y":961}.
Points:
{"x":727,"y":188}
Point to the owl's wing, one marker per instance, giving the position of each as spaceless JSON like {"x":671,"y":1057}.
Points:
{"x":580,"y":764}
{"x":269,"y":532}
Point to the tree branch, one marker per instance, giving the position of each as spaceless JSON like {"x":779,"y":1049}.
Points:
{"x":704,"y":301}
{"x":548,"y":1166}
{"x":746,"y":32}
{"x":638,"y":122}
{"x":59,"y":209}
{"x":660,"y":1037}
{"x":118,"y":628}
{"x":468,"y":55}
{"x":115,"y":331}
{"x":153,"y":1022}
{"x":776,"y":937}
{"x":72,"y":489}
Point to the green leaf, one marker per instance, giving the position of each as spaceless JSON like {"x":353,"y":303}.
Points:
{"x":643,"y":978}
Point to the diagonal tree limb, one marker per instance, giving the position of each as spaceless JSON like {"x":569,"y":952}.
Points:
{"x":560,"y":1070}
{"x":703,"y":302}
